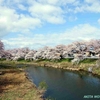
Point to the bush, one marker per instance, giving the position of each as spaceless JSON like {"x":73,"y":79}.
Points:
{"x":28,"y":60}
{"x":42,"y":85}
{"x":21,"y":59}
{"x":2,"y":59}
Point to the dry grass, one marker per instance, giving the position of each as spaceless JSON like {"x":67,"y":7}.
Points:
{"x":70,"y":66}
{"x":15,"y":86}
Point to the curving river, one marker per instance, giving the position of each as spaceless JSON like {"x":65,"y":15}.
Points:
{"x":66,"y":85}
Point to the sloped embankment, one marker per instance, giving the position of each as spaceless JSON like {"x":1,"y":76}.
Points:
{"x":14,"y":85}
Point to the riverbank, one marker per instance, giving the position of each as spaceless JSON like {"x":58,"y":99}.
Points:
{"x":14,"y":85}
{"x":66,"y":65}
{"x":69,"y":66}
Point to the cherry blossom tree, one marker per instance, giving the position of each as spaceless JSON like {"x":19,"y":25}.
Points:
{"x":75,"y":49}
{"x":18,"y":53}
{"x":1,"y":46}
{"x":1,"y":49}
{"x":30,"y":55}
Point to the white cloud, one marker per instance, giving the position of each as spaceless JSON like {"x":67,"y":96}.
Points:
{"x":7,"y":16}
{"x":11,"y":21}
{"x":22,"y":7}
{"x":26,"y":23}
{"x":72,"y":18}
{"x":14,"y":15}
{"x":91,"y":1}
{"x":79,"y":32}
{"x":1,"y":1}
{"x":57,"y":2}
{"x":48,"y":1}
{"x":73,"y":6}
{"x":99,"y":21}
{"x":84,"y":29}
{"x":47,"y":12}
{"x":88,"y":6}
{"x":25,"y":15}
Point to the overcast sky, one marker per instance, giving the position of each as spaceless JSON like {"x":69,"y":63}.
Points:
{"x":38,"y":23}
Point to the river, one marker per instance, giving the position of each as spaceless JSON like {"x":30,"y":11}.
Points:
{"x":66,"y":85}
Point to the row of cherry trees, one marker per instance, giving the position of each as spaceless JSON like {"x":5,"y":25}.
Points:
{"x":60,"y":51}
{"x":1,"y":49}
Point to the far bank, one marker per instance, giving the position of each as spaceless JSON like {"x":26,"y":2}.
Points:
{"x":88,"y":65}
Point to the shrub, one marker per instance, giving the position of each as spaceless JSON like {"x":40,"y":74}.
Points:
{"x":42,"y":85}
{"x":2,"y":59}
{"x":20,"y":59}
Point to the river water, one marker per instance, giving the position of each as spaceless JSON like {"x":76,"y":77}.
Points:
{"x":66,"y":85}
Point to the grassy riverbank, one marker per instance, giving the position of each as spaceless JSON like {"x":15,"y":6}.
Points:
{"x":67,"y":65}
{"x":14,"y":85}
{"x":63,"y":64}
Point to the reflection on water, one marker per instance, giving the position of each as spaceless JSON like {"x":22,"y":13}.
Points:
{"x":65,"y":85}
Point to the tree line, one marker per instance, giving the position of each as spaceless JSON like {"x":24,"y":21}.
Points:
{"x":78,"y":49}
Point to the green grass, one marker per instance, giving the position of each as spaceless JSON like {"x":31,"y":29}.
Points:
{"x":96,"y":70}
{"x":48,"y":60}
{"x":7,"y":64}
{"x":66,"y":60}
{"x":88,"y":61}
{"x":2,"y":59}
{"x":39,"y":60}
{"x":42,"y":85}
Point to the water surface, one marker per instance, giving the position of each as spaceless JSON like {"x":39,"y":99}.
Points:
{"x":65,"y":85}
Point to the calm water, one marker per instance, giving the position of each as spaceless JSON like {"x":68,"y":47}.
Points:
{"x":65,"y":85}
